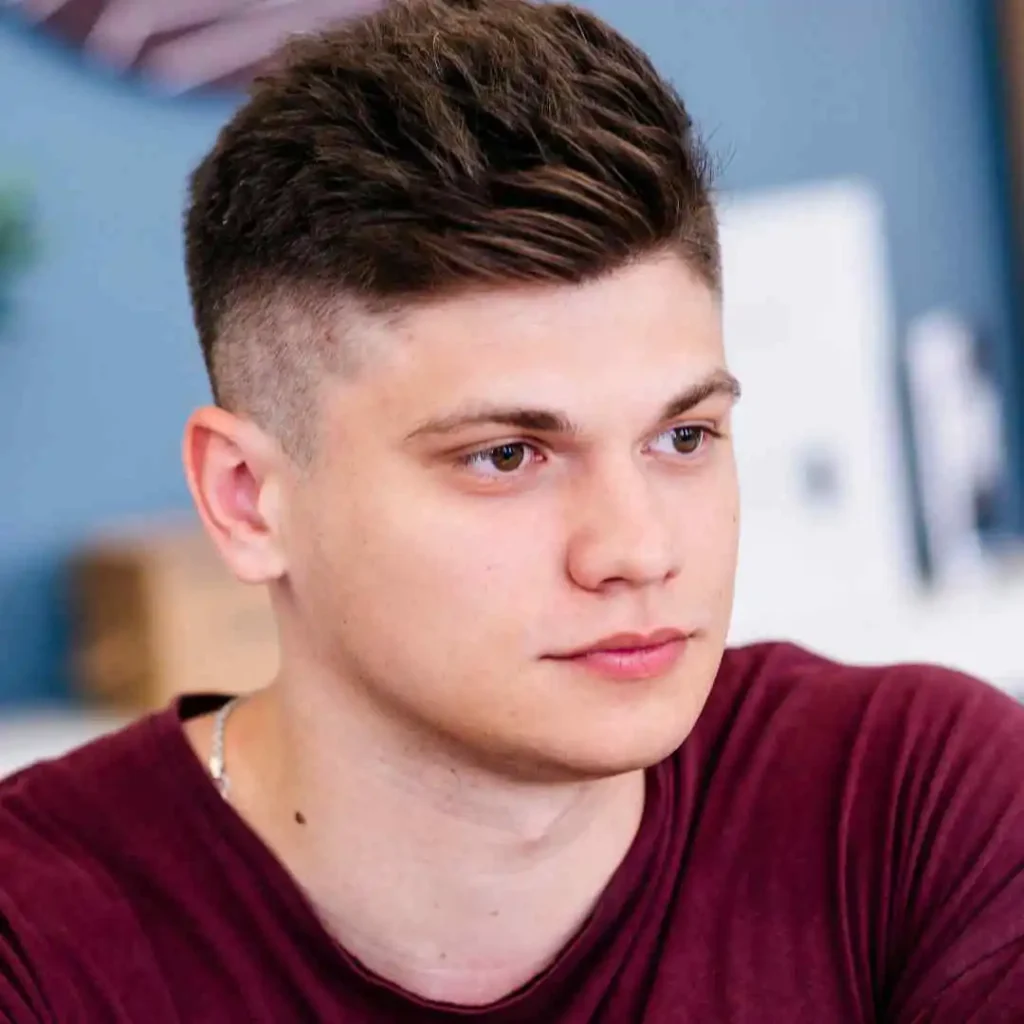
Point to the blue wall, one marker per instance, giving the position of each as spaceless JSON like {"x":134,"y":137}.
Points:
{"x":98,"y":364}
{"x":98,"y":367}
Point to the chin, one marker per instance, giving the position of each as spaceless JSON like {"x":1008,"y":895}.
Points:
{"x":634,"y":754}
{"x":622,"y":727}
{"x":597,"y":749}
{"x":568,"y":726}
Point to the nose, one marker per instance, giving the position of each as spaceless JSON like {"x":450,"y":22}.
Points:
{"x":622,"y":532}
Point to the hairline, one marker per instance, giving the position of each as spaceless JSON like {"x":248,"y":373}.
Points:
{"x":351,"y":329}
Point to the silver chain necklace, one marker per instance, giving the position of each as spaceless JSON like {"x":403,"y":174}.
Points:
{"x":217,"y":766}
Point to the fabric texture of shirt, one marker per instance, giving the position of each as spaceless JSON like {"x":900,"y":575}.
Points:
{"x":831,"y":843}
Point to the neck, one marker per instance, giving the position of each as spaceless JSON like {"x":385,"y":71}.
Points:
{"x":453,"y":882}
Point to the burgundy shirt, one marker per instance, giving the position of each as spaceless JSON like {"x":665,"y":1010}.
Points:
{"x":830,"y":844}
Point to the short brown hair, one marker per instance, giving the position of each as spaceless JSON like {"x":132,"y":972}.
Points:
{"x":432,"y":147}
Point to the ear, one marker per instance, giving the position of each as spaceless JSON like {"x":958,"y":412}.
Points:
{"x":234,"y":473}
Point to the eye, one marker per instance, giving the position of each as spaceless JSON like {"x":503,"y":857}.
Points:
{"x":503,"y":460}
{"x":685,"y":440}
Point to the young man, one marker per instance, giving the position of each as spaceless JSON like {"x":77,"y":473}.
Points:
{"x":455,"y":274}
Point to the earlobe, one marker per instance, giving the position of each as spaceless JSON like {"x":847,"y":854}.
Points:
{"x":232,"y":468}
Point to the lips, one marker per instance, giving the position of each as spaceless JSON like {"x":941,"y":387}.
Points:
{"x":629,"y":642}
{"x":630,"y":656}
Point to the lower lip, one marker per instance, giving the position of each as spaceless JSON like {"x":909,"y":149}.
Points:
{"x":632,"y":663}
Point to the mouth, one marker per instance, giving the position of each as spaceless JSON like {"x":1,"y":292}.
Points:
{"x":630,"y":656}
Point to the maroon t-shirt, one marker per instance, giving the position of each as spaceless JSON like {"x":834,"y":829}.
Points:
{"x":830,"y":844}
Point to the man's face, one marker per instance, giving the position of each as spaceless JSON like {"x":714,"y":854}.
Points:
{"x":505,"y":484}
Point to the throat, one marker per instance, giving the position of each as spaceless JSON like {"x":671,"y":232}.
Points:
{"x":469,"y":917}
{"x":463,"y":975}
{"x":457,"y":887}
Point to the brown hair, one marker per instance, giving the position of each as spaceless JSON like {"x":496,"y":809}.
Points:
{"x":432,"y":147}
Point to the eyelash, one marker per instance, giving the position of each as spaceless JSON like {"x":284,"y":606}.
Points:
{"x":481,"y":455}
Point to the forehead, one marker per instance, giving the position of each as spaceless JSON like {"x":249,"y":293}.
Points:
{"x":638,"y":333}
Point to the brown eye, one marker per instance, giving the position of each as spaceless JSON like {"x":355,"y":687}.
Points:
{"x":507,"y":458}
{"x":511,"y":460}
{"x":687,"y":440}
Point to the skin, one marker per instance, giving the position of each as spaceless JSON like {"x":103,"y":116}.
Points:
{"x":427,"y":585}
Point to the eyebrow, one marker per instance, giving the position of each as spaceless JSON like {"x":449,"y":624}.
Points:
{"x":547,"y":421}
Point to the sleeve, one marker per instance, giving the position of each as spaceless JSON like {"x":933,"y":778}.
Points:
{"x":956,"y":936}
{"x":20,"y":1002}
{"x":990,"y":991}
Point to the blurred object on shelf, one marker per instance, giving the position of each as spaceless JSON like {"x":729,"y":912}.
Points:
{"x":959,"y":439}
{"x":158,"y":614}
{"x":1011,"y":55}
{"x":1009,"y":52}
{"x":189,"y":44}
{"x":826,"y":545}
{"x":809,"y":332}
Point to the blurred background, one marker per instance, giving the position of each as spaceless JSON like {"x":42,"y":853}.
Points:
{"x":872,"y":210}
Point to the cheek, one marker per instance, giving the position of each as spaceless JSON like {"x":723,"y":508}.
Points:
{"x":710,"y":515}
{"x":492,"y":552}
{"x":439,"y":561}
{"x":708,"y":544}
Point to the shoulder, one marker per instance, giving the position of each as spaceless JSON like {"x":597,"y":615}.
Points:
{"x":868,"y":732}
{"x":783,"y":666}
{"x":71,"y":833}
{"x":102,"y":802}
{"x":58,"y":805}
{"x":56,"y":817}
{"x":897,"y":764}
{"x":914,"y":703}
{"x":903,"y":787}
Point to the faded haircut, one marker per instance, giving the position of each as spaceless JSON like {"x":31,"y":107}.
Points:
{"x":429,"y":149}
